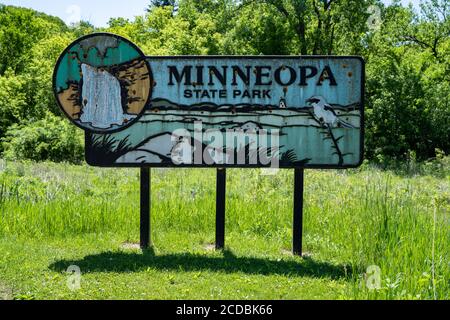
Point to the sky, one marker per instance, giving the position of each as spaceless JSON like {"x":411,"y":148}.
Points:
{"x":98,"y":12}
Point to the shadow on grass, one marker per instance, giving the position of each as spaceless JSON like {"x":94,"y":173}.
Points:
{"x":228,"y":263}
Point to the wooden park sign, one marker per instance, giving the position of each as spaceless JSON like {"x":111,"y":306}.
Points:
{"x":212,"y":111}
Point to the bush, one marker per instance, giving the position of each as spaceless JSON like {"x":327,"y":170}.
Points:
{"x":50,"y":138}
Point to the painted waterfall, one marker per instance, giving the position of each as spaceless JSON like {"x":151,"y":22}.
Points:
{"x":101,"y":96}
{"x":102,"y":83}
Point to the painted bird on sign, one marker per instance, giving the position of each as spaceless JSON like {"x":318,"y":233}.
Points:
{"x":325,"y":113}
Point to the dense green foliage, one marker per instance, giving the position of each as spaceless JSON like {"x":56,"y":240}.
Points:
{"x":407,"y":54}
{"x":54,"y":216}
{"x":49,"y":138}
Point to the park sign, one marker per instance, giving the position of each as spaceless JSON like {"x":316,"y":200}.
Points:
{"x":211,"y":111}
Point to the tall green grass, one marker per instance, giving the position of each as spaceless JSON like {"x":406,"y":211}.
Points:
{"x":396,"y":220}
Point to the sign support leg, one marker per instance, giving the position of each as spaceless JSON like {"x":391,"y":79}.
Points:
{"x":298,"y":212}
{"x":220,"y":208}
{"x":145,"y":208}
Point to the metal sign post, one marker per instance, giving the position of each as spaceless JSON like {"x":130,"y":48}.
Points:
{"x":286,"y":112}
{"x":297,"y":226}
{"x":145,"y":188}
{"x":220,"y":208}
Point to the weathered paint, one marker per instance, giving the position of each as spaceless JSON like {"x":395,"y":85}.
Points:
{"x":304,"y":141}
{"x":310,"y":107}
{"x":98,"y":75}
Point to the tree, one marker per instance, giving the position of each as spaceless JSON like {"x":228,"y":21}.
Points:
{"x":408,"y":92}
{"x":82,"y":28}
{"x":432,"y":30}
{"x":20,"y":29}
{"x":160,"y":3}
{"x":320,"y":25}
{"x":258,"y":29}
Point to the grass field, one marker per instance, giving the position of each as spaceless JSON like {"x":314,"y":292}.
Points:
{"x":53,"y":216}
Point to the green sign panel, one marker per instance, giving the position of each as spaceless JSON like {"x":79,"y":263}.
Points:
{"x":211,"y":111}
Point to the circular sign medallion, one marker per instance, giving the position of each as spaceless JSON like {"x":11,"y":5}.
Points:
{"x":103,"y":83}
